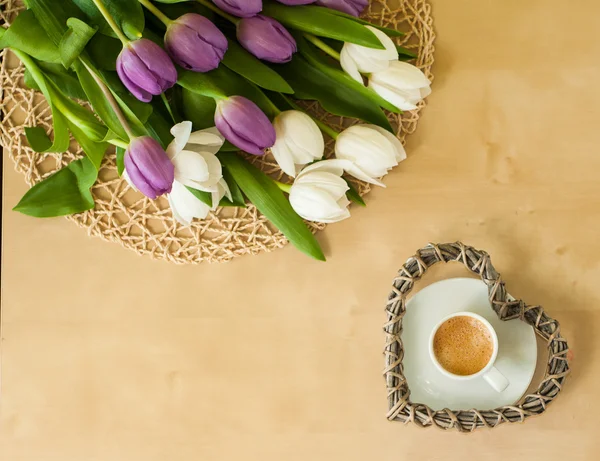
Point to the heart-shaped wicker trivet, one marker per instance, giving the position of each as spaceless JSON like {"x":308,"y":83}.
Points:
{"x":401,"y":408}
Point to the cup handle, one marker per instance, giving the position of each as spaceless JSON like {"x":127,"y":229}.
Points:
{"x":496,"y":379}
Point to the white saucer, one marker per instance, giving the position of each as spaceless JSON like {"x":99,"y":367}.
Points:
{"x":517,"y":355}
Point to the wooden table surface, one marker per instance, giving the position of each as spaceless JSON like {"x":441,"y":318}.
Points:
{"x":110,"y":356}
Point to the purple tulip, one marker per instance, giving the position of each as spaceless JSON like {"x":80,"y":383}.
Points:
{"x":353,"y":7}
{"x":266,"y":39}
{"x":241,"y":8}
{"x":149,"y":167}
{"x":296,"y":2}
{"x":244,"y":125}
{"x":146,"y":69}
{"x":195,"y":43}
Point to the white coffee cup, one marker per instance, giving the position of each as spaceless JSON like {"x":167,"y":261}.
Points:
{"x":491,"y":374}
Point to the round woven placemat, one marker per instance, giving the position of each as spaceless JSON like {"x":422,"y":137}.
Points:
{"x":401,"y":408}
{"x":146,"y":226}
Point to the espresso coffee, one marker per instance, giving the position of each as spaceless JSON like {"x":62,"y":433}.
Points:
{"x":463,"y":345}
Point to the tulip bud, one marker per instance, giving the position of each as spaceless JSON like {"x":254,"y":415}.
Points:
{"x":299,"y":141}
{"x":353,"y":7}
{"x":266,"y":39}
{"x":244,"y":125}
{"x":149,"y":167}
{"x":241,"y":8}
{"x":319,"y":193}
{"x":195,"y":43}
{"x":401,"y":84}
{"x":356,"y":59}
{"x":370,"y":151}
{"x":145,"y":69}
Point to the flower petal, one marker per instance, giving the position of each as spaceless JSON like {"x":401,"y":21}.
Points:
{"x":314,"y":204}
{"x":402,"y":75}
{"x":181,"y":132}
{"x":334,"y":166}
{"x":395,"y":97}
{"x":185,"y":205}
{"x":349,"y":65}
{"x":207,"y":140}
{"x":191,"y":166}
{"x":354,"y":170}
{"x":226,"y":190}
{"x":368,"y":60}
{"x":333,"y":184}
{"x":284,"y":157}
{"x":400,"y":151}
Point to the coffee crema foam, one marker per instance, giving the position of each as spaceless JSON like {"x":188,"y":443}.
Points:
{"x":463,"y":345}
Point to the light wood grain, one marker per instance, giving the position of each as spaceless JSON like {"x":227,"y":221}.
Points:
{"x":111,"y":356}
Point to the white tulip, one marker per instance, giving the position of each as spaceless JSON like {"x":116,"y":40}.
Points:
{"x":196,"y":166}
{"x":357,"y":59}
{"x":370,"y":152}
{"x":299,"y":141}
{"x":401,"y":84}
{"x":319,"y":192}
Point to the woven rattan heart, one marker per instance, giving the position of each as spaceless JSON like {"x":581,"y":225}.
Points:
{"x":478,"y":262}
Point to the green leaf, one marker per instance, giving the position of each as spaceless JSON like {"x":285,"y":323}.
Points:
{"x":65,"y":80}
{"x":26,"y":34}
{"x":99,"y":102}
{"x":324,"y":64}
{"x":270,"y":201}
{"x":53,"y":16}
{"x":30,"y":81}
{"x":389,"y":32}
{"x":318,"y":21}
{"x":61,"y":131}
{"x":198,"y":109}
{"x":94,"y":150}
{"x":78,"y":115}
{"x":128,"y":15}
{"x":354,"y":196}
{"x":74,"y":40}
{"x":236,"y":193}
{"x":210,"y":84}
{"x":309,"y":82}
{"x":37,"y":138}
{"x":104,"y":51}
{"x":245,"y":64}
{"x":65,"y":192}
{"x":63,"y":108}
{"x":160,"y":128}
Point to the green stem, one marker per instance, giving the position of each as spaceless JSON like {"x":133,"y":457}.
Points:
{"x":208,"y":4}
{"x":111,"y":100}
{"x":156,"y":12}
{"x":111,"y":21}
{"x":284,"y":187}
{"x":168,"y":106}
{"x":322,"y":46}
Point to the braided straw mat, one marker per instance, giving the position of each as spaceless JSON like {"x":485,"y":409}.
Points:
{"x":146,"y":226}
{"x":401,"y":408}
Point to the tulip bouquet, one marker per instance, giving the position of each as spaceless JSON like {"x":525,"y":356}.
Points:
{"x":187,"y":91}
